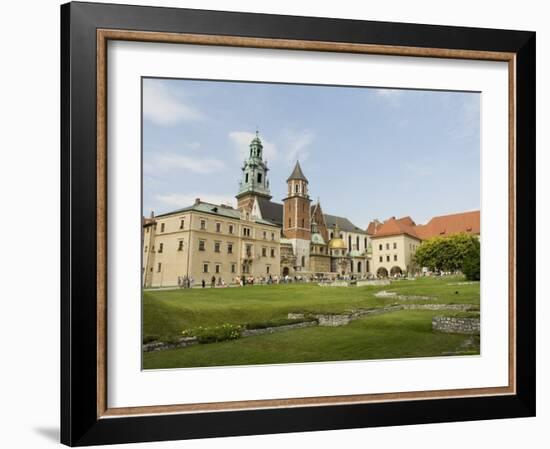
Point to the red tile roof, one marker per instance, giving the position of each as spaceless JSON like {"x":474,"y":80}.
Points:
{"x":444,"y":225}
{"x":373,"y":227}
{"x":468,"y":222}
{"x":396,"y":226}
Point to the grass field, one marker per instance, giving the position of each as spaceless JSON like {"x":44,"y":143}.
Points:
{"x":166,"y":313}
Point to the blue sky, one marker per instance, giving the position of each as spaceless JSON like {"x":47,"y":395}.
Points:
{"x":368,"y":153}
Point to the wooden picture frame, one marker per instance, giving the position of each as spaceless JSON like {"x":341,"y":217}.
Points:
{"x":86,"y":29}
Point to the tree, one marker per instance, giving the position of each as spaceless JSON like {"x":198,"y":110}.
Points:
{"x":471,"y":266}
{"x":447,"y":253}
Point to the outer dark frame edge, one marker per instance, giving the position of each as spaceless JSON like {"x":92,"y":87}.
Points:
{"x":79,"y":423}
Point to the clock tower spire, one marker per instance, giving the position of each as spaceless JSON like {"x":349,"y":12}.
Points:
{"x":254,"y":180}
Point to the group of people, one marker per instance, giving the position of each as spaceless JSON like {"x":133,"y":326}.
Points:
{"x":189,"y":282}
{"x":185,"y":282}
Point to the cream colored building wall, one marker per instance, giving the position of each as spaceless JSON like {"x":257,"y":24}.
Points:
{"x":190,"y":260}
{"x":147,"y":259}
{"x":399,"y":249}
{"x":354,"y":235}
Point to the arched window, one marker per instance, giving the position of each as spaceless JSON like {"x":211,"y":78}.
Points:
{"x":296,"y":188}
{"x":303,"y":261}
{"x":303,"y":223}
{"x":290,"y":222}
{"x":246,"y":178}
{"x":357,"y":243}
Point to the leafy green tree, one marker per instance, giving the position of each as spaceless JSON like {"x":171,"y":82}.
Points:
{"x":471,"y":266}
{"x":447,"y":253}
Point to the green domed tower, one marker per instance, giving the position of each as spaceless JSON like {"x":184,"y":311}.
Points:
{"x":254,"y":180}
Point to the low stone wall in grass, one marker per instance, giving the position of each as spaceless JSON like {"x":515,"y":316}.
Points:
{"x":456,"y":307}
{"x":272,"y":330}
{"x":378,"y":311}
{"x":334,"y":284}
{"x":161,"y":346}
{"x":455,"y":325}
{"x":342,"y":319}
{"x":368,"y":283}
{"x":333,"y":320}
{"x":388,"y":294}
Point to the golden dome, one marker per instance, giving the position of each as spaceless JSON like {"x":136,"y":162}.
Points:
{"x":336,"y":243}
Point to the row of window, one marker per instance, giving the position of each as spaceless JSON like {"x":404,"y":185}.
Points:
{"x":217,"y":268}
{"x":381,"y":258}
{"x":248,"y":249}
{"x":412,"y":246}
{"x":258,"y":178}
{"x":380,"y":246}
{"x":357,"y":241}
{"x":290,"y":223}
{"x":218,"y":226}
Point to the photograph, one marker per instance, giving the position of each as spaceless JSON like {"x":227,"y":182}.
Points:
{"x":277,"y":223}
{"x":299,"y":223}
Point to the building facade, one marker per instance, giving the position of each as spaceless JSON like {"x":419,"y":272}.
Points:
{"x":260,"y":238}
{"x":206,"y":241}
{"x":395,"y":241}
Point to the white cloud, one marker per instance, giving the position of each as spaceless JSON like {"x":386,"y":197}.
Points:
{"x":389,"y":93}
{"x":180,"y":200}
{"x":298,"y":145}
{"x":170,"y":161}
{"x":392,"y":97}
{"x":164,"y":108}
{"x":242,"y":139}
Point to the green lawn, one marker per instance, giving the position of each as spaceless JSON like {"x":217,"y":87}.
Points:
{"x":166,"y":313}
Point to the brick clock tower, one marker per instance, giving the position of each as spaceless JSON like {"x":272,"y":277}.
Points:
{"x":254,"y":180}
{"x":296,"y":217}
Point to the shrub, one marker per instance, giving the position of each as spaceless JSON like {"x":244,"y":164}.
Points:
{"x":277,"y":323}
{"x":213,"y":334}
{"x":170,"y":340}
{"x":150,"y":339}
{"x":471,"y":264}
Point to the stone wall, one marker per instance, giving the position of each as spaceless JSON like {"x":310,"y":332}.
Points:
{"x":456,"y":307}
{"x":334,"y":284}
{"x":161,"y":346}
{"x":272,"y":330}
{"x":334,"y":320}
{"x":373,"y":282}
{"x":455,"y":325}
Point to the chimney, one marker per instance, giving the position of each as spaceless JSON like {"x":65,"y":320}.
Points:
{"x":197,"y":200}
{"x":152,"y":214}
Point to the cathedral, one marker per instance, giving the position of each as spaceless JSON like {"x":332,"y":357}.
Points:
{"x":261,"y":238}
{"x":311,"y":242}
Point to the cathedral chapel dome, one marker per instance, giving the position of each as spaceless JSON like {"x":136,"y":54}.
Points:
{"x":317,"y":239}
{"x":337,"y":243}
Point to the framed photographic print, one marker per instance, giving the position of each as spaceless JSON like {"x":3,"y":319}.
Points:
{"x":278,"y":224}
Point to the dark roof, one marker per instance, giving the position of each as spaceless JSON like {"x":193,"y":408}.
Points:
{"x":343,"y":223}
{"x":272,"y":212}
{"x":208,"y":208}
{"x":297,"y":173}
